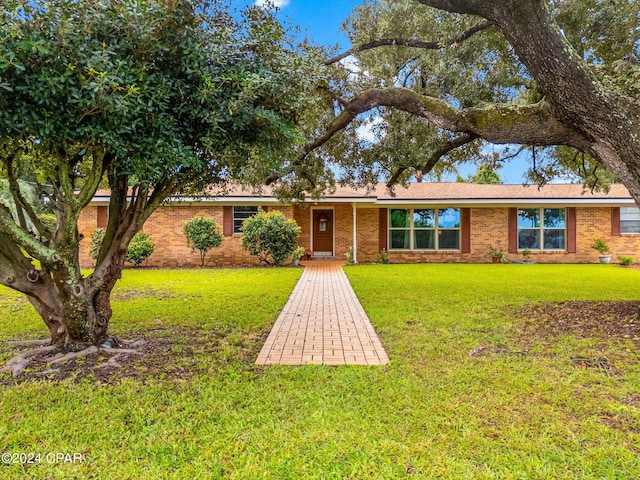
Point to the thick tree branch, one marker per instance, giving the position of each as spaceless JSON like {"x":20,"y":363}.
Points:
{"x":500,"y":123}
{"x":412,"y":42}
{"x":472,"y":7}
{"x":101,"y":162}
{"x":23,"y":238}
{"x":22,"y":205}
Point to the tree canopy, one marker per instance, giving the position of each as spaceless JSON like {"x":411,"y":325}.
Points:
{"x":146,"y":98}
{"x":436,"y":80}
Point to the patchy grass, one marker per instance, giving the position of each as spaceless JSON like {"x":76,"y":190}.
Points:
{"x":465,"y":395}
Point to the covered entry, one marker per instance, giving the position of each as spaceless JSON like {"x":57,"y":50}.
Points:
{"x":322,"y":233}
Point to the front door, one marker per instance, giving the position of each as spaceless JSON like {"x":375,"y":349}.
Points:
{"x":323,"y":233}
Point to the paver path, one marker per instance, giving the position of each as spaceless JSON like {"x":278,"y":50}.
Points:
{"x":323,"y":323}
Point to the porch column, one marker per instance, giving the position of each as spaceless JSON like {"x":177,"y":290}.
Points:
{"x":355,"y":237}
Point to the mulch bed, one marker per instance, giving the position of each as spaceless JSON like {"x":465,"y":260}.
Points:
{"x":584,"y":319}
{"x":178,"y":354}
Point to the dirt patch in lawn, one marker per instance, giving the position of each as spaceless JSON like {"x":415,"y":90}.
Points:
{"x":178,"y":354}
{"x":584,"y":319}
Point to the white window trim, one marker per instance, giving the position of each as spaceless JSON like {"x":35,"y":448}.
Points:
{"x":621,"y":220}
{"x":412,"y":229}
{"x":542,"y":228}
{"x":333,"y":240}
{"x":233,"y":216}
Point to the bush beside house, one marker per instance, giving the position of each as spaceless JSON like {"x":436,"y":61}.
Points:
{"x":270,"y":236}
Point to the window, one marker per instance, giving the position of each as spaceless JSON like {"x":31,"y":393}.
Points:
{"x":629,"y":220}
{"x":542,"y":228}
{"x":424,"y":229}
{"x":240,"y":214}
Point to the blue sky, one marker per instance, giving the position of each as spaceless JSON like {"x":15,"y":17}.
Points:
{"x":320,"y":20}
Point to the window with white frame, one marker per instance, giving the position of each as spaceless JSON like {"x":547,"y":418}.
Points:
{"x":240,"y":214}
{"x":629,"y":220}
{"x":542,"y":228}
{"x":424,"y":229}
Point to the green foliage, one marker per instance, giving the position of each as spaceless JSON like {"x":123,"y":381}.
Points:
{"x":486,"y":175}
{"x":383,"y":256}
{"x":202,"y":234}
{"x":270,"y":236}
{"x":480,"y":71}
{"x":96,"y":237}
{"x":497,"y":253}
{"x":148,"y":98}
{"x":298,"y":253}
{"x":600,"y":246}
{"x":625,"y":260}
{"x":350,"y":255}
{"x":140,"y":248}
{"x":49,"y":221}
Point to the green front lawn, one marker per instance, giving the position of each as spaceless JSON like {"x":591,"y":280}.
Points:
{"x":520,"y":408}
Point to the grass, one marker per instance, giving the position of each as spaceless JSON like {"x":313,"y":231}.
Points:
{"x":434,"y":412}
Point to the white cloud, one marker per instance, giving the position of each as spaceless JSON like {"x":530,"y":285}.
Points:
{"x":271,"y":3}
{"x":352,"y":65}
{"x":367,"y":131}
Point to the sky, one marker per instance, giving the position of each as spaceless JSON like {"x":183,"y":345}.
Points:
{"x":320,"y":21}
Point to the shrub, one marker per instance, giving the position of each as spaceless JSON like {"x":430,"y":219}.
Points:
{"x":140,"y":248}
{"x":270,"y":237}
{"x":600,"y":245}
{"x":202,"y":234}
{"x":625,"y":260}
{"x":350,"y":254}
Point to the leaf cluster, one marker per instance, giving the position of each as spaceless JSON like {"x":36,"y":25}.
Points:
{"x":270,"y":236}
{"x":202,"y":234}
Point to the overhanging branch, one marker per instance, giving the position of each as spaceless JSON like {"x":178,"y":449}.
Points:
{"x":412,"y":42}
{"x":498,"y":123}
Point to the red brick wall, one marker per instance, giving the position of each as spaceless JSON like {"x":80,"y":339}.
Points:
{"x":165,"y":229}
{"x":488,"y":226}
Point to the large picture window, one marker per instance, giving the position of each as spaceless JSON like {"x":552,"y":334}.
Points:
{"x":542,"y":228}
{"x":629,"y":220}
{"x":240,"y":214}
{"x":424,"y":229}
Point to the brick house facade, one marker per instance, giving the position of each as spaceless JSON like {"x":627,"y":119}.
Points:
{"x":426,"y":222}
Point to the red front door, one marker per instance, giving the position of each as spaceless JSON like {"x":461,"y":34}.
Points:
{"x":323,"y":232}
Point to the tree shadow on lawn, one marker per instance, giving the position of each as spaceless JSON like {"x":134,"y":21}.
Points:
{"x":179,"y":353}
{"x":176,"y":353}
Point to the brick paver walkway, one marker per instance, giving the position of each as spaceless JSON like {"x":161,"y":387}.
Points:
{"x":323,"y":323}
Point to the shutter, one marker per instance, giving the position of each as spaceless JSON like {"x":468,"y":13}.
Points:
{"x":383,"y":231}
{"x":465,"y":230}
{"x":103,"y":217}
{"x":513,"y":230}
{"x":265,"y":209}
{"x":615,"y":221}
{"x":571,"y":229}
{"x":227,"y":221}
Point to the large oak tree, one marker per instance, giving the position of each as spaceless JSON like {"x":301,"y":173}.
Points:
{"x":436,"y":80}
{"x":147,"y":98}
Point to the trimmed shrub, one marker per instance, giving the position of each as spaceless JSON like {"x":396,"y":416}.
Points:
{"x":270,"y":237}
{"x":202,"y":234}
{"x":140,"y":248}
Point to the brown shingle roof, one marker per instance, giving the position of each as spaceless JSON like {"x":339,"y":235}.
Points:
{"x":450,"y":191}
